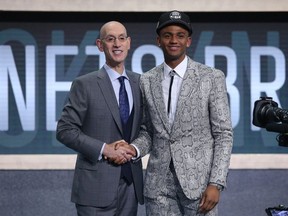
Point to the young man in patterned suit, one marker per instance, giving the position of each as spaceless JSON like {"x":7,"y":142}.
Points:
{"x":187,"y":127}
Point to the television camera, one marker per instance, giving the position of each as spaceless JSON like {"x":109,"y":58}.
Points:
{"x":267,"y":114}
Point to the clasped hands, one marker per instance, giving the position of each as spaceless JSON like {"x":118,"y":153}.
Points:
{"x":119,"y":152}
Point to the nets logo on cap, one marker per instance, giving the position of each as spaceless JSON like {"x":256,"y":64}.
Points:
{"x":174,"y":18}
{"x":175,"y":15}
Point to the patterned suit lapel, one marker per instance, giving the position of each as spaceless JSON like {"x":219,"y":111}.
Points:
{"x":188,"y":87}
{"x":109,"y":95}
{"x":157,"y":95}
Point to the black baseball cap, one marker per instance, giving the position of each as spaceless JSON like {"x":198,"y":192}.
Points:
{"x":174,"y":18}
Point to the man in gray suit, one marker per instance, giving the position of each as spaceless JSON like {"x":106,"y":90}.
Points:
{"x":106,"y":181}
{"x":187,"y":127}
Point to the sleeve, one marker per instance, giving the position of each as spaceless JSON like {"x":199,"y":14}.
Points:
{"x":69,"y":127}
{"x":222,"y":131}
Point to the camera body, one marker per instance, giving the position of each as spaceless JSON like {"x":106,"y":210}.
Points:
{"x":262,"y":114}
{"x":267,"y":114}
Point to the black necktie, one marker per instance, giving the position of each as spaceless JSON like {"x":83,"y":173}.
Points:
{"x":123,"y":101}
{"x":171,"y":74}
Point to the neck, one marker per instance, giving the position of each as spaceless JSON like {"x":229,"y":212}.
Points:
{"x":173,"y":63}
{"x":119,"y":68}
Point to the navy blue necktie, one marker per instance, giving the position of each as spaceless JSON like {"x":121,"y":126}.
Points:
{"x":124,"y":114}
{"x":123,"y":101}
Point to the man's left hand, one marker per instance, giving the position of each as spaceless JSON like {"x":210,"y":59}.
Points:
{"x":209,"y":200}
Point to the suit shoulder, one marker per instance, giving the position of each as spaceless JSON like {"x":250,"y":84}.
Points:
{"x":207,"y":70}
{"x":86,"y":77}
{"x":151,"y":73}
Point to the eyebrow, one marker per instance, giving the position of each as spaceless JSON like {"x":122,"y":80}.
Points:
{"x":110,"y":35}
{"x":171,"y":33}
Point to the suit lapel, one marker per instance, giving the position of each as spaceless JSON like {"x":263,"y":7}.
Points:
{"x":157,"y":95}
{"x":188,"y":87}
{"x":109,"y":95}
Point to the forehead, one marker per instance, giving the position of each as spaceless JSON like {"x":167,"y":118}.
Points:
{"x":173,"y":29}
{"x":114,"y":29}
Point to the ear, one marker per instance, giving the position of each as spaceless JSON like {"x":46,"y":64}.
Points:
{"x":158,"y":41}
{"x":189,"y":41}
{"x":99,"y":44}
{"x":129,"y":42}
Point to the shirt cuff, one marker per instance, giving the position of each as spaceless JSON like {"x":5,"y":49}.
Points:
{"x":219,"y":186}
{"x":100,"y":157}
{"x":137,"y":153}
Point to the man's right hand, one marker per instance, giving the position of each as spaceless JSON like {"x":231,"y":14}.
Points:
{"x":119,"y":152}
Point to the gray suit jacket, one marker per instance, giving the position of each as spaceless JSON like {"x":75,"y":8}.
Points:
{"x":90,"y":118}
{"x":200,"y":139}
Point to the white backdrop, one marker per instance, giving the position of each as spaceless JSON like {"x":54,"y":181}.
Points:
{"x":144,"y":5}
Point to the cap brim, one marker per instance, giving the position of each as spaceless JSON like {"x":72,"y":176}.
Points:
{"x":174,"y":22}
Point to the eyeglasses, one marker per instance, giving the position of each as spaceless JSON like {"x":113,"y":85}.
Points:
{"x":112,"y":39}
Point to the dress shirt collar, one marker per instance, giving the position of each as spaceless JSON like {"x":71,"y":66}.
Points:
{"x":113,"y":75}
{"x":180,"y":69}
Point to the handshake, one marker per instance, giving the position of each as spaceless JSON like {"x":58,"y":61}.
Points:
{"x":119,"y":152}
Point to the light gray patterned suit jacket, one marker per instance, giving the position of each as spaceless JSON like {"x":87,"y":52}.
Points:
{"x":90,"y":118}
{"x":200,"y":139}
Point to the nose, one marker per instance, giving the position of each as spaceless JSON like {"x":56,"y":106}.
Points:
{"x":173,"y":39}
{"x":116,"y":42}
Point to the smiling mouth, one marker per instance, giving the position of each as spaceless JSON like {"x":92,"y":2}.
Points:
{"x":117,"y":52}
{"x":173,"y":48}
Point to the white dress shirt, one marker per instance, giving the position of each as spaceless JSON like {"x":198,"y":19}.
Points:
{"x":113,"y":75}
{"x":178,"y":78}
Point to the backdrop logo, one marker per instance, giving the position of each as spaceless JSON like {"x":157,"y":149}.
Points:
{"x":37,"y":68}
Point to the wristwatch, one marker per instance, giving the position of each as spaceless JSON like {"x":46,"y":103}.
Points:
{"x":219,"y":187}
